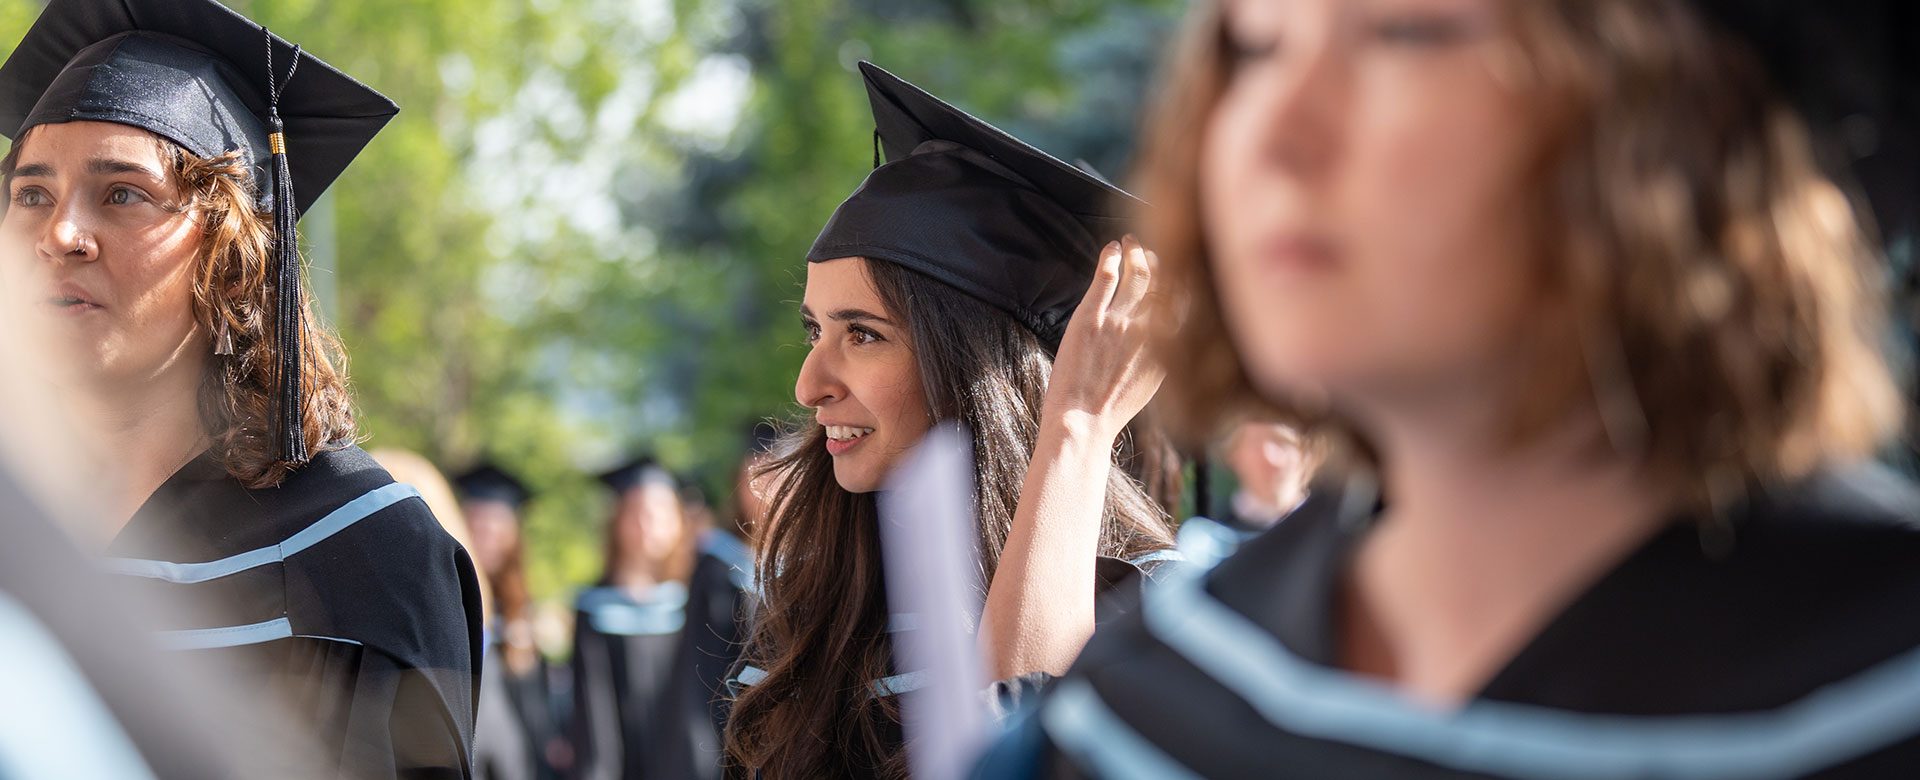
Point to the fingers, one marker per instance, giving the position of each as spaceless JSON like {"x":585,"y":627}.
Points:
{"x":1136,"y":279}
{"x":1106,"y":279}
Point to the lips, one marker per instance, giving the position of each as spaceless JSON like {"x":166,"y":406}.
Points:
{"x":841,"y":438}
{"x":71,"y":298}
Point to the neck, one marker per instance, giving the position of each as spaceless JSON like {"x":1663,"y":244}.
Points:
{"x":1483,"y":541}
{"x":151,"y":426}
{"x":636,"y":574}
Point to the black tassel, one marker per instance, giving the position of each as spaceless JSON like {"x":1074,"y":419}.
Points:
{"x":288,"y":323}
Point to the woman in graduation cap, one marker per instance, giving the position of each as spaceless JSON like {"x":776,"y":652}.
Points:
{"x":1582,"y":286}
{"x":627,"y":630}
{"x":161,"y":153}
{"x":515,"y":722}
{"x":971,"y":278}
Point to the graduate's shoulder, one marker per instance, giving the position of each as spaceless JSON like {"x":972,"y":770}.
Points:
{"x":353,"y":489}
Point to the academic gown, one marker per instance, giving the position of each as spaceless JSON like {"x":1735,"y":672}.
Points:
{"x":1780,"y":643}
{"x":88,"y":694}
{"x":623,"y":650}
{"x":692,"y":721}
{"x":502,"y":748}
{"x":516,"y":719}
{"x":335,"y":593}
{"x":1118,"y":583}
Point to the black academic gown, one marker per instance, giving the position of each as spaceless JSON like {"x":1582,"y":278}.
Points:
{"x":516,"y":719}
{"x":502,"y":749}
{"x":623,"y":651}
{"x":1118,"y":583}
{"x":88,"y":693}
{"x":1785,"y":643}
{"x":336,"y":593}
{"x":694,"y":716}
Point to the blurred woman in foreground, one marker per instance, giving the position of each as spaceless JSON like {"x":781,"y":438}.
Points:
{"x":1570,"y":279}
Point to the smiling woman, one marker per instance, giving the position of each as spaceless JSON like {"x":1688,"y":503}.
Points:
{"x":151,"y":215}
{"x":965,"y":280}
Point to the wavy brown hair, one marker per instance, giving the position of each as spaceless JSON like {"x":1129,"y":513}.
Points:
{"x":820,"y":627}
{"x":1729,"y":320}
{"x":233,"y":284}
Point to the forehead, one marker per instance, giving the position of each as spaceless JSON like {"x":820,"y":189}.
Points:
{"x":54,"y":143}
{"x":841,"y":283}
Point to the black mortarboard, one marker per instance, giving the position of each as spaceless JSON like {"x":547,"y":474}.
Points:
{"x":213,"y":82}
{"x":971,"y":206}
{"x":1852,"y":69}
{"x":488,"y":482}
{"x":642,"y":470}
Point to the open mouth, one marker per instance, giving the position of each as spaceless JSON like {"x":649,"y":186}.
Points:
{"x":846,"y":433}
{"x":71,"y":303}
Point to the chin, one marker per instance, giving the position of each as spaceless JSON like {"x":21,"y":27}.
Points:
{"x":854,"y":479}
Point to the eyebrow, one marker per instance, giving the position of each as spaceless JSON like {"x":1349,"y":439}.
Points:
{"x":847,"y":315}
{"x":109,"y":167}
{"x":98,"y":167}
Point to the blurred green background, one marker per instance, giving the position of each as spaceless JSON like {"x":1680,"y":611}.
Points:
{"x":582,"y":236}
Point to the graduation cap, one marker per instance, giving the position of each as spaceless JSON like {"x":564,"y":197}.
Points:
{"x":210,"y":80}
{"x":643,"y":470}
{"x":1852,"y":69}
{"x":488,"y":482}
{"x":975,"y":208}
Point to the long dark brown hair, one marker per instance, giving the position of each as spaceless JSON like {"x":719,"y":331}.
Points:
{"x":819,"y":629}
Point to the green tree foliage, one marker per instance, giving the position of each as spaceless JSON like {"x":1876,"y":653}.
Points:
{"x":582,"y":236}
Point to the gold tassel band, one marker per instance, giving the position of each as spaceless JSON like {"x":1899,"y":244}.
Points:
{"x":276,"y":143}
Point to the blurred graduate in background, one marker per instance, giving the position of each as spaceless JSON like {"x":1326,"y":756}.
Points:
{"x":517,"y":726}
{"x":628,"y":630}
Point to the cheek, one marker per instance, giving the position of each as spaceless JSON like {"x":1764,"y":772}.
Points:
{"x":163,"y":278}
{"x":1442,"y":238}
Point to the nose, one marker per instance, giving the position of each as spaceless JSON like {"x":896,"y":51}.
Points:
{"x":1306,"y":100}
{"x":819,"y":383}
{"x":67,"y":237}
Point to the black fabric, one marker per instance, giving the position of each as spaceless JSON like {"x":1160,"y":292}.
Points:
{"x":622,"y":673}
{"x":384,"y":663}
{"x":1820,"y":585}
{"x":196,"y":73}
{"x":1118,"y":585}
{"x":502,"y":746}
{"x":488,"y":482}
{"x":185,"y":723}
{"x":693,"y":714}
{"x":636,"y":472}
{"x":975,"y":208}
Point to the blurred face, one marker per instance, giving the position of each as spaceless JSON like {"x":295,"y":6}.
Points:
{"x":98,"y":252}
{"x":648,"y":521}
{"x":496,"y":532}
{"x":1364,"y":186}
{"x":859,"y":377}
{"x":1272,"y":463}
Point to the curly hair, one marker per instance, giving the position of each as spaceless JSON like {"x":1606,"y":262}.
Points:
{"x":234,"y":288}
{"x":1730,"y":325}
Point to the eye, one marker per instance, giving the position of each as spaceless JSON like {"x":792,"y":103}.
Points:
{"x":813,"y":330}
{"x":1244,"y":53}
{"x":860,"y":335}
{"x":124,"y":196}
{"x":1426,"y":30}
{"x":30,"y":197}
